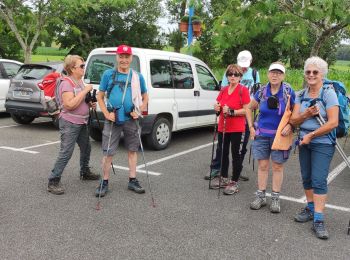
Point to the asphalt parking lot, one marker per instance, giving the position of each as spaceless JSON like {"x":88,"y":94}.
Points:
{"x":189,"y":221}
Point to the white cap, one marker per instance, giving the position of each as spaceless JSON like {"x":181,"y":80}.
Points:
{"x":277,"y":66}
{"x":244,"y":59}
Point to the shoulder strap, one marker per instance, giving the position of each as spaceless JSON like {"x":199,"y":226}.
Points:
{"x":111,"y":86}
{"x":254,"y":75}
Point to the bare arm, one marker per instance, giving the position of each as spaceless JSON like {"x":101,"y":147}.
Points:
{"x":71,"y":102}
{"x":101,"y":102}
{"x":332,"y":114}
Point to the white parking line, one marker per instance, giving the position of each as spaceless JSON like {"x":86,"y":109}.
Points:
{"x":303,"y":201}
{"x":6,"y":126}
{"x":17,"y":149}
{"x":25,"y":149}
{"x":137,"y":170}
{"x":175,"y":155}
{"x":332,"y":175}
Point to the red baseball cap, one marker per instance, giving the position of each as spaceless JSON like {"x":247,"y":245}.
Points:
{"x":124,"y":49}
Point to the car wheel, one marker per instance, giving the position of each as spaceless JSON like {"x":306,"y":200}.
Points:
{"x":96,"y":134}
{"x":55,"y":122}
{"x":22,"y":119}
{"x":160,"y":136}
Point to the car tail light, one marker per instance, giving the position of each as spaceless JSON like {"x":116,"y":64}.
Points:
{"x":40,"y":85}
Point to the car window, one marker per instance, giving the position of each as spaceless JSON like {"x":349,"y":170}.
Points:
{"x":206,"y":80}
{"x":101,"y":62}
{"x":182,"y":75}
{"x":11,"y":69}
{"x":33,"y":72}
{"x":161,"y":74}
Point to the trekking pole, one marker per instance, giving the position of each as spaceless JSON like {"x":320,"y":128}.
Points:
{"x":99,"y":126}
{"x":98,"y":205}
{"x":144,"y":161}
{"x":222,"y":153}
{"x":212,"y":150}
{"x":349,"y":228}
{"x":321,"y":121}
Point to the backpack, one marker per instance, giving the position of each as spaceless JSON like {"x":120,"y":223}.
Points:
{"x":344,"y":105}
{"x":256,"y":86}
{"x":51,"y":88}
{"x":286,"y":88}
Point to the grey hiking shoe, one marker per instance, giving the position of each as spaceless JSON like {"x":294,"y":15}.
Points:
{"x":216,"y":183}
{"x":87,"y":174}
{"x":231,"y":188}
{"x":101,"y":191}
{"x":55,"y":187}
{"x":320,"y":230}
{"x":213,"y":173}
{"x":135,"y":186}
{"x":275,"y":206}
{"x":259,"y":201}
{"x":304,"y":215}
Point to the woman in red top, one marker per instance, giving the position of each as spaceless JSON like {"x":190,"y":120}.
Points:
{"x":232,"y":103}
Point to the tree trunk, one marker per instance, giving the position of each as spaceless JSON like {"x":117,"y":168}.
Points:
{"x":27,"y":55}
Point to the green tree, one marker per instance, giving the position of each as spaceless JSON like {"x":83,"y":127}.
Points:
{"x":107,"y":23}
{"x":289,"y":27}
{"x":9,"y":47}
{"x":27,"y":20}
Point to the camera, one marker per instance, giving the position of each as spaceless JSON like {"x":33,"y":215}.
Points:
{"x":91,"y":97}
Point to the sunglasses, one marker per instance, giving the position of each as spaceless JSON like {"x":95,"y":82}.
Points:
{"x":234,"y":74}
{"x":313,"y":72}
{"x":82,"y":66}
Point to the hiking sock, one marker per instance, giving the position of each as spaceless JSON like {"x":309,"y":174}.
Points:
{"x":311,"y":206}
{"x":318,"y":216}
{"x":131,"y":179}
{"x":274,"y":193}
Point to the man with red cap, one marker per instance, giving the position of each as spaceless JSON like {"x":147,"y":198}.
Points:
{"x":122,"y":97}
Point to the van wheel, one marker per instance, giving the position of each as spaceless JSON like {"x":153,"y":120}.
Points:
{"x":22,"y":119}
{"x":96,"y":134}
{"x":160,"y":136}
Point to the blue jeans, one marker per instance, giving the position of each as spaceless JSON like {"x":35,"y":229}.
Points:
{"x":315,"y":160}
{"x":71,"y":134}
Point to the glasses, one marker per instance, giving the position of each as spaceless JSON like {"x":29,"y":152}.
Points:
{"x":276,"y":72}
{"x":82,"y":66}
{"x":313,"y":72}
{"x":234,"y":74}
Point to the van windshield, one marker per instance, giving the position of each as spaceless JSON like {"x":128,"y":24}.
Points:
{"x":101,"y":62}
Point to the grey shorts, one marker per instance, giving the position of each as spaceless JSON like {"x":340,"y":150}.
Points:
{"x":111,"y":136}
{"x":262,"y":150}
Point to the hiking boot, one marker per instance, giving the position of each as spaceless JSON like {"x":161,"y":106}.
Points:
{"x":231,"y":188}
{"x":135,"y":186}
{"x":320,"y":230}
{"x":87,"y":174}
{"x":55,"y":187}
{"x":275,"y":206}
{"x":216,"y":183}
{"x":304,"y":215}
{"x":213,"y":173}
{"x":259,"y":201}
{"x":101,"y":191}
{"x":243,"y":178}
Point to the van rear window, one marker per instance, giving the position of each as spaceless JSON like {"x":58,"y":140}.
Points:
{"x":101,"y":62}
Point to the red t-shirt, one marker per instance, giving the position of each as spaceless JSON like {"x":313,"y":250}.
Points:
{"x":235,"y":100}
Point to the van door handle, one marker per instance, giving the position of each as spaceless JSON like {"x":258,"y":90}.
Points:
{"x":196,"y":93}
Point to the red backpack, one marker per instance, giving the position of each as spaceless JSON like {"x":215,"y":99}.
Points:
{"x":48,"y":85}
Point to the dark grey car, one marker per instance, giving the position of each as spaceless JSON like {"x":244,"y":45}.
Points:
{"x":24,"y":97}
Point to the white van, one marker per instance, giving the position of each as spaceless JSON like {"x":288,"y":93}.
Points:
{"x":182,"y":91}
